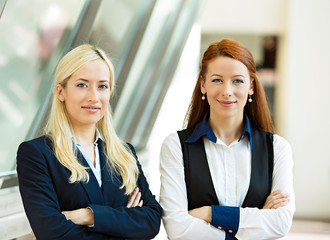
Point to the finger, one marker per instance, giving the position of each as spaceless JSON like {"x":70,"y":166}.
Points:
{"x":132,"y":197}
{"x":281,"y":203}
{"x":136,"y":200}
{"x":140,"y":203}
{"x":274,"y":199}
{"x":277,"y":197}
{"x":277,"y":201}
{"x":65,"y":213}
{"x":275,"y":193}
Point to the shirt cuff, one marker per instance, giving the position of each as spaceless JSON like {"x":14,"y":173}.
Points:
{"x":91,"y":226}
{"x":225,"y":218}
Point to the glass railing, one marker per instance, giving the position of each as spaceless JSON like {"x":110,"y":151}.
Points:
{"x":153,"y":68}
{"x":118,"y":29}
{"x":34,"y":35}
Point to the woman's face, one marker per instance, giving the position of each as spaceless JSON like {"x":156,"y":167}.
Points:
{"x":87,"y":93}
{"x":227,"y":84}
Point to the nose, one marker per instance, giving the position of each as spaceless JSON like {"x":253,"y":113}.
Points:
{"x":92,"y":94}
{"x":227,"y":90}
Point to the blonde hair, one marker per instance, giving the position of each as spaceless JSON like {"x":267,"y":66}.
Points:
{"x":119,"y":157}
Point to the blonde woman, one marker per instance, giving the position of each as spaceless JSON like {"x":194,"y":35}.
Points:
{"x":79,"y":180}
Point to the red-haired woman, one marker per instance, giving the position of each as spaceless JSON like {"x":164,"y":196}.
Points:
{"x":227,"y":175}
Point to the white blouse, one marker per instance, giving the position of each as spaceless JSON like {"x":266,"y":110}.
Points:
{"x":230,"y":168}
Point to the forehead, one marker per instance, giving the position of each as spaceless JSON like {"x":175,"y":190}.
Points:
{"x":226,"y":66}
{"x":96,"y":69}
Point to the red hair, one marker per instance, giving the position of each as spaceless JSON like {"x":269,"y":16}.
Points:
{"x":257,"y":111}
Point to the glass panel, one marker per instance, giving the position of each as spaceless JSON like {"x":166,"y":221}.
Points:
{"x":137,"y":80}
{"x":116,"y":25}
{"x":179,"y":33}
{"x":34,"y":35}
{"x":153,"y":69}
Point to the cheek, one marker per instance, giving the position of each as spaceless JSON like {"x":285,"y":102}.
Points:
{"x":214,"y":90}
{"x":243,"y":95}
{"x":106,"y":99}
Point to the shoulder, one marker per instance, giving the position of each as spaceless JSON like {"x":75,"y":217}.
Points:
{"x":171,"y":140}
{"x":36,"y":153}
{"x":131,"y":147}
{"x":282,"y":152}
{"x":42,"y":143}
{"x":171,"y":153}
{"x":280,"y":144}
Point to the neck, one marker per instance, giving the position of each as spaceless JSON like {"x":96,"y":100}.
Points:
{"x":84,"y":135}
{"x":227,"y":129}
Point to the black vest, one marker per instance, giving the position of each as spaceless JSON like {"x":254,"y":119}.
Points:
{"x":200,"y":189}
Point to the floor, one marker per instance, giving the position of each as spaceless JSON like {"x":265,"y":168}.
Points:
{"x":309,"y":230}
{"x":301,"y":230}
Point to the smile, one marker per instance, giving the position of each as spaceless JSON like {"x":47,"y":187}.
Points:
{"x":226,"y":103}
{"x":91,"y":108}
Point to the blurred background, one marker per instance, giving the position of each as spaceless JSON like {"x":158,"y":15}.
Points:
{"x":156,"y":46}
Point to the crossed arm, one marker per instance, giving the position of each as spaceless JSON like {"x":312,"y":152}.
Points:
{"x":42,"y":204}
{"x":275,"y":200}
{"x":272,"y":221}
{"x":85,"y":216}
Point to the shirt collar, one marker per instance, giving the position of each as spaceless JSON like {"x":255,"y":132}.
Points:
{"x":247,"y":129}
{"x":98,"y":136}
{"x":203,"y":128}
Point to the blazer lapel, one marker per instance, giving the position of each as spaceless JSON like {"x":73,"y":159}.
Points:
{"x":92,"y":187}
{"x":106,"y":177}
{"x":111,"y":182}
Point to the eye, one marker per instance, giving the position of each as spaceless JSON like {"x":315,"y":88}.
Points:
{"x":103,"y":86}
{"x":81,"y":85}
{"x":217,"y":80}
{"x":238,"y":81}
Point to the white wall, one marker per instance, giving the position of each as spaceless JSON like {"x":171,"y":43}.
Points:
{"x":304,"y":100}
{"x":244,"y":16}
{"x":302,"y":88}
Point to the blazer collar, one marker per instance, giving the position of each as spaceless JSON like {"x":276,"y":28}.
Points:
{"x":94,"y":192}
{"x":92,"y":187}
{"x":111,"y":181}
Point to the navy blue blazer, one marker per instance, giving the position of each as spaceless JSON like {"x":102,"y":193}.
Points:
{"x":46,"y":192}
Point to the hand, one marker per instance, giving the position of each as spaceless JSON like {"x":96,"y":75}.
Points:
{"x":276,"y":199}
{"x":82,"y":216}
{"x":204,"y":213}
{"x":34,"y":236}
{"x":134,"y":199}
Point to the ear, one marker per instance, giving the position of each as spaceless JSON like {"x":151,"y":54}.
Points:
{"x":59,"y":92}
{"x":203,"y":90}
{"x":251,"y":90}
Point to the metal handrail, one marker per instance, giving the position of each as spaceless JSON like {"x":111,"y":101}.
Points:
{"x":2,"y":6}
{"x":8,"y":179}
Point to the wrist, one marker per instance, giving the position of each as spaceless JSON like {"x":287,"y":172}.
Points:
{"x":207,"y":214}
{"x":90,"y":217}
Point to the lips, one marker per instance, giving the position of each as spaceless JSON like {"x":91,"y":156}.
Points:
{"x":226,"y":103}
{"x":91,"y":108}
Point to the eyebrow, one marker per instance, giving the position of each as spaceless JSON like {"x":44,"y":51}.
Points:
{"x":218,"y":75}
{"x":85,"y":80}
